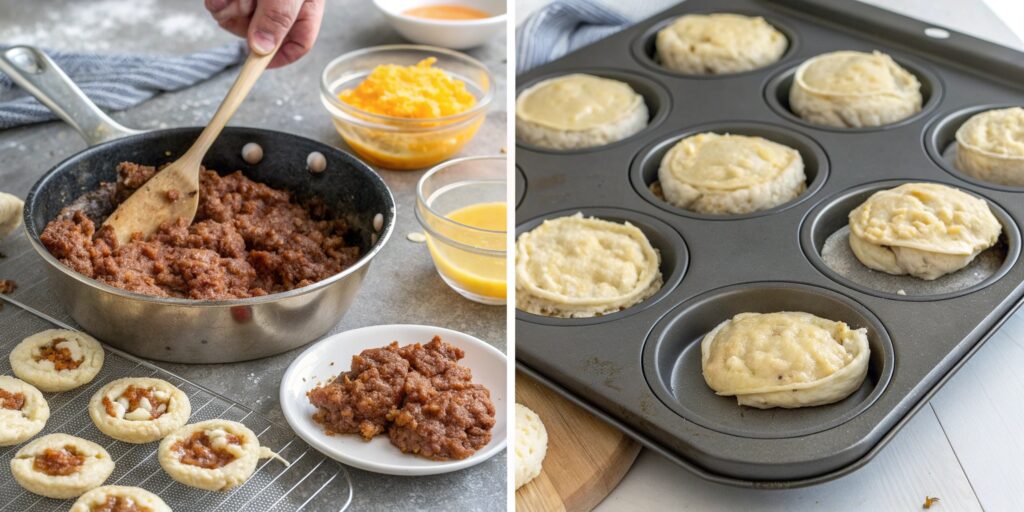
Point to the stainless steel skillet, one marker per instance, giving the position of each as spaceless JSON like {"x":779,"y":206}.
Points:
{"x":181,"y":330}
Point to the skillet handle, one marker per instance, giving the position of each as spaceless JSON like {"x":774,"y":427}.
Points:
{"x":35,"y":72}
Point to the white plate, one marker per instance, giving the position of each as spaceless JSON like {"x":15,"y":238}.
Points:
{"x":378,"y":455}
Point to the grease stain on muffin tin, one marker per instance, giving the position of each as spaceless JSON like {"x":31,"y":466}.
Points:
{"x":643,"y":171}
{"x":824,"y":237}
{"x":667,"y":241}
{"x":776,"y":94}
{"x":644,"y":47}
{"x":672,"y":359}
{"x":940,"y":143}
{"x":656,"y":97}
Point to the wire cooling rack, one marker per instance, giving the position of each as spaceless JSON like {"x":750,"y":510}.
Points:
{"x":312,"y":482}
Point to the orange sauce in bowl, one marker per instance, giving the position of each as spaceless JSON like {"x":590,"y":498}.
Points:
{"x":446,"y":12}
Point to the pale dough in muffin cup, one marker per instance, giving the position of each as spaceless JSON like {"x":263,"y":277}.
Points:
{"x":926,"y":230}
{"x":576,"y":267}
{"x":730,"y":174}
{"x":990,"y":146}
{"x":849,"y":89}
{"x":578,"y":111}
{"x":785,"y":359}
{"x":718,"y":44}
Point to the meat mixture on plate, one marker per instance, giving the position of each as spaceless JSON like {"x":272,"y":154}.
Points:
{"x":419,"y":395}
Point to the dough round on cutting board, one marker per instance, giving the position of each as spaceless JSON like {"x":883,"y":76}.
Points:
{"x":577,"y":267}
{"x":531,"y":445}
{"x":57,"y":359}
{"x":990,"y":146}
{"x":235,"y":451}
{"x":926,"y":230}
{"x":23,"y":411}
{"x":849,"y":89}
{"x":716,"y":44}
{"x":121,"y":498}
{"x":730,"y":174}
{"x":139,"y":410}
{"x":785,"y":359}
{"x":578,"y":111}
{"x":61,"y":466}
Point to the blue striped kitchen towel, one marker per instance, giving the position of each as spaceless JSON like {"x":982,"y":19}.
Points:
{"x":118,"y":81}
{"x":565,"y":25}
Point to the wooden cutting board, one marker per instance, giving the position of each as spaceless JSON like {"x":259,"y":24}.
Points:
{"x":585,"y":460}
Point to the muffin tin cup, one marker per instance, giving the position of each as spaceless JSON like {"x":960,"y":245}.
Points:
{"x":639,"y":368}
{"x":940,"y":143}
{"x":645,"y":51}
{"x":644,"y":170}
{"x":776,"y":94}
{"x":666,"y":240}
{"x":672,"y":359}
{"x":655,"y":96}
{"x":520,"y":186}
{"x":832,"y":215}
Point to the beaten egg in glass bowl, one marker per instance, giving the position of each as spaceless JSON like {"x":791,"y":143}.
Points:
{"x":406,"y":106}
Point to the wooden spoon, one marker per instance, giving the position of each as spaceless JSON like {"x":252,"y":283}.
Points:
{"x":174,"y":191}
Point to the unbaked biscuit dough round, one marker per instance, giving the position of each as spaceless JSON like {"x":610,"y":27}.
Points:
{"x":849,"y":89}
{"x":926,"y":230}
{"x":730,"y":174}
{"x":715,"y":44}
{"x":37,"y":467}
{"x":578,"y":111}
{"x":144,"y":409}
{"x":531,"y":445}
{"x":235,"y":446}
{"x":123,"y":498}
{"x":785,"y":359}
{"x":57,"y":359}
{"x":18,"y":424}
{"x":990,"y":146}
{"x":576,"y":267}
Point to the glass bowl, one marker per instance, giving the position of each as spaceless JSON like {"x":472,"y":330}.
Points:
{"x":397,"y":142}
{"x":461,"y":205}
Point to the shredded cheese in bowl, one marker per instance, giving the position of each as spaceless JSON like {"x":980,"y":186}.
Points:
{"x":406,"y":106}
{"x":414,"y":92}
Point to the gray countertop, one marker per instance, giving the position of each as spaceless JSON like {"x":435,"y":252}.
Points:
{"x":402,"y":286}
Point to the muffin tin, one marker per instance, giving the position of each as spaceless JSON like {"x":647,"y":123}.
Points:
{"x":640,"y":368}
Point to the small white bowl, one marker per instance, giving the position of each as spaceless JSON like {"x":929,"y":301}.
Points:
{"x":455,"y":34}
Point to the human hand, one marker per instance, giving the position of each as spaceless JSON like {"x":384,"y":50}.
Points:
{"x":266,"y":23}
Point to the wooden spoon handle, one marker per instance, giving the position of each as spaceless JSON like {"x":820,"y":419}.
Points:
{"x":251,"y":71}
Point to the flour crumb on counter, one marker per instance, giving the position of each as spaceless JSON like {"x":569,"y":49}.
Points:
{"x":417,"y":237}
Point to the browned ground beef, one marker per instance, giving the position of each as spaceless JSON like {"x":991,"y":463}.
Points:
{"x":418,"y":394}
{"x":247,"y":240}
{"x":358,"y":401}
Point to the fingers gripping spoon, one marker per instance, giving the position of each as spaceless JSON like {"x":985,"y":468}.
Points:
{"x":174,"y":191}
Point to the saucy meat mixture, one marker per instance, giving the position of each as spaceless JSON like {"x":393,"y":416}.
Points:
{"x":119,"y":504}
{"x":61,"y":462}
{"x":11,"y":401}
{"x":419,"y":394}
{"x":60,"y":356}
{"x":247,"y":240}
{"x":198,"y":450}
{"x":134,"y":396}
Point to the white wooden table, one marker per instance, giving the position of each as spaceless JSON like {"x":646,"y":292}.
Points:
{"x":966,"y":447}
